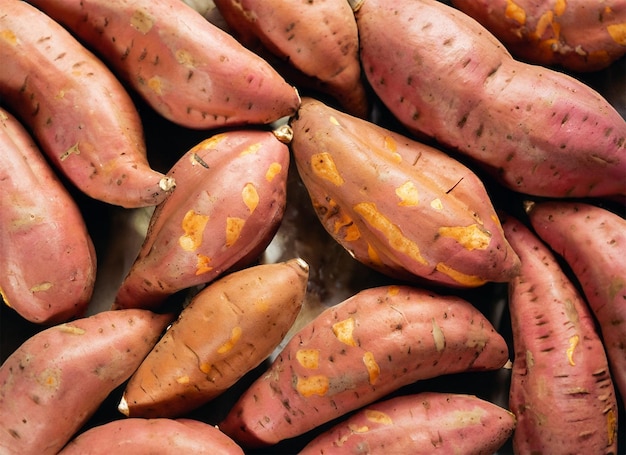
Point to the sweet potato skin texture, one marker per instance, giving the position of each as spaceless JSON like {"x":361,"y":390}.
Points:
{"x":443,"y":75}
{"x":357,"y":352}
{"x":150,"y":436}
{"x":577,"y":35}
{"x":424,"y":423}
{"x":189,"y":70}
{"x":40,"y":223}
{"x":80,"y":114}
{"x":592,"y":240}
{"x":226,"y":330}
{"x":55,"y":381}
{"x":398,"y":206}
{"x":227,"y":205}
{"x":561,"y":389}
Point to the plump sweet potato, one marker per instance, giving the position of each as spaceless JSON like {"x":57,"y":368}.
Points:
{"x":151,"y":436}
{"x":317,"y":39}
{"x":358,"y":351}
{"x":186,"y":68}
{"x":561,"y":389}
{"x":228,"y":203}
{"x":79,"y":113}
{"x":576,"y":34}
{"x":226,"y":330}
{"x":54,"y":382}
{"x":424,"y":423}
{"x":443,"y":75}
{"x":401,"y":207}
{"x":40,"y":224}
{"x":592,"y":240}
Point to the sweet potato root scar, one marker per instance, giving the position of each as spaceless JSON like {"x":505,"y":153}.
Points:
{"x":39,"y":287}
{"x":308,"y":358}
{"x":313,"y":385}
{"x":436,"y":204}
{"x":334,"y":121}
{"x":183,"y":380}
{"x":460,"y":277}
{"x":155,"y":85}
{"x":73,"y":150}
{"x":515,"y":12}
{"x":250,"y":196}
{"x":573,"y":343}
{"x":185,"y":58}
{"x":273,"y":170}
{"x":472,"y":237}
{"x":378,"y":417}
{"x":373,"y":369}
{"x":142,"y":21}
{"x":356,"y":430}
{"x":408,"y":194}
{"x":233,"y":229}
{"x":71,"y":329}
{"x":438,"y":337}
{"x":203,"y":264}
{"x":193,"y":226}
{"x":235,"y":335}
{"x":323,"y":166}
{"x":343,"y":330}
{"x":50,"y":378}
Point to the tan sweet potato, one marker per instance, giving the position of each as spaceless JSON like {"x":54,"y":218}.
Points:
{"x":186,"y":68}
{"x":592,"y":240}
{"x":424,"y":423}
{"x":578,"y":35}
{"x":80,"y":114}
{"x":152,"y":436}
{"x":561,"y":389}
{"x":40,"y":223}
{"x":399,"y":206}
{"x":54,"y":382}
{"x":358,"y":351}
{"x":226,"y":330}
{"x":536,"y":130}
{"x":228,"y":203}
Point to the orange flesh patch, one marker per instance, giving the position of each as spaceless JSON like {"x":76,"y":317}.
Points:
{"x":324,"y":167}
{"x":193,"y":226}
{"x":378,"y":417}
{"x":472,"y":237}
{"x":515,"y":12}
{"x":251,"y":149}
{"x":155,"y":85}
{"x":202,"y":264}
{"x":250,"y":197}
{"x":436,"y":204}
{"x":313,"y":385}
{"x":559,"y":7}
{"x":373,"y":255}
{"x":184,"y":57}
{"x":234,"y":337}
{"x":408,"y":194}
{"x":9,"y":37}
{"x":308,"y":358}
{"x":343,"y":330}
{"x":41,"y":286}
{"x":573,"y":342}
{"x":618,"y":33}
{"x":390,"y":144}
{"x":373,"y":369}
{"x":233,"y":229}
{"x":50,"y":378}
{"x":459,"y":277}
{"x":272,"y":171}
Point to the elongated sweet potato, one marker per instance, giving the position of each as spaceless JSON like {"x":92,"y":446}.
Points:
{"x":318,"y":39}
{"x":561,"y":389}
{"x":443,"y":75}
{"x":424,"y":423}
{"x":55,"y":381}
{"x":79,"y":113}
{"x":40,"y":223}
{"x":358,"y":351}
{"x":401,"y":207}
{"x":592,"y":240}
{"x":151,"y":436}
{"x":576,"y":34}
{"x":226,"y":330}
{"x":228,"y":203}
{"x":189,"y":70}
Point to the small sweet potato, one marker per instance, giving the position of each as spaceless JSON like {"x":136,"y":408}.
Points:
{"x":561,"y":389}
{"x":536,"y":130}
{"x":228,"y":203}
{"x":592,"y":240}
{"x":152,"y":436}
{"x":226,"y":330}
{"x":398,"y":206}
{"x":358,"y":351}
{"x":40,"y":223}
{"x":424,"y":423}
{"x":54,"y":382}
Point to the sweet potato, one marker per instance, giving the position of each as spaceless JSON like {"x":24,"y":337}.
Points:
{"x":592,"y":240}
{"x":424,"y":423}
{"x":226,"y":330}
{"x":358,"y":351}
{"x":561,"y":390}
{"x":317,"y":39}
{"x":80,"y":114}
{"x":399,"y":206}
{"x":189,"y":70}
{"x":40,"y":223}
{"x":577,"y":34}
{"x":536,"y":130}
{"x":151,"y":436}
{"x":54,"y":382}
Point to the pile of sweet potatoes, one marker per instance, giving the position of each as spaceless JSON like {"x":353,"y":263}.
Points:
{"x":378,"y":227}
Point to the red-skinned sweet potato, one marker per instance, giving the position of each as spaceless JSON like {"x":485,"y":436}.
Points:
{"x":226,"y":330}
{"x":186,"y":68}
{"x":424,"y":423}
{"x":228,"y":203}
{"x":443,"y":75}
{"x":54,"y":382}
{"x":399,"y":206}
{"x":592,"y":240}
{"x":317,"y":39}
{"x":561,"y":390}
{"x":358,"y":351}
{"x":80,"y":114}
{"x":151,"y":436}
{"x":576,"y":34}
{"x":40,"y":224}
